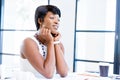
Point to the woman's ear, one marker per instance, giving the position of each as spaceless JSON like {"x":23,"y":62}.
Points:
{"x":39,"y":21}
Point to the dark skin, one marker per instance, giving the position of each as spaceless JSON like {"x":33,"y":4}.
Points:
{"x":47,"y":34}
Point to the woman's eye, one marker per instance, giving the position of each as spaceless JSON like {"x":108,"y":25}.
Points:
{"x":51,"y":17}
{"x":55,"y":18}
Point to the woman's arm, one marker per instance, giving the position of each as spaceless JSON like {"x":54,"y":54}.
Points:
{"x":61,"y":64}
{"x":31,"y":52}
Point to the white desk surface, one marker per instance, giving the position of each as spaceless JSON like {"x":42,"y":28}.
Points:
{"x":70,"y":76}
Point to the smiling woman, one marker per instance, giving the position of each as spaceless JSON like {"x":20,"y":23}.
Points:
{"x":39,"y":53}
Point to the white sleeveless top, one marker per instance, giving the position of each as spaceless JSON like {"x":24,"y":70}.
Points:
{"x":26,"y":66}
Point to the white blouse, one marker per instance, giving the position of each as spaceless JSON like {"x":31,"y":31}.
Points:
{"x":25,"y":64}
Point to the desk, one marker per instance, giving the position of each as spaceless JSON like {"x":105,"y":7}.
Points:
{"x":77,"y":76}
{"x":70,"y":76}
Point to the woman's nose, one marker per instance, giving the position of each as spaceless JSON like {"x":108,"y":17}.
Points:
{"x":56,"y":21}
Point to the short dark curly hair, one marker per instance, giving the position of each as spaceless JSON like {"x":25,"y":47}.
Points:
{"x":42,"y":10}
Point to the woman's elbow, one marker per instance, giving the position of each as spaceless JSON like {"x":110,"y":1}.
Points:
{"x":49,"y":75}
{"x":64,"y":74}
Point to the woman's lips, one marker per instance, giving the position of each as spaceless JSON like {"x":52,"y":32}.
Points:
{"x":55,"y":27}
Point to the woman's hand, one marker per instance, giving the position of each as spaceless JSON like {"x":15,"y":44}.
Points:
{"x":45,"y":35}
{"x":57,"y":36}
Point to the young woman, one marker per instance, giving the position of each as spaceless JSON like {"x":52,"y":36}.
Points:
{"x":43,"y":53}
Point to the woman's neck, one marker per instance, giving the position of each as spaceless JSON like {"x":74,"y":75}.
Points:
{"x":39,"y":38}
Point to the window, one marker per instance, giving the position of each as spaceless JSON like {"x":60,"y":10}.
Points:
{"x":17,"y":23}
{"x":95,"y":34}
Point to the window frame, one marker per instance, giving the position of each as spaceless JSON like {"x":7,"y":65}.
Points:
{"x":116,"y":62}
{"x":5,"y":30}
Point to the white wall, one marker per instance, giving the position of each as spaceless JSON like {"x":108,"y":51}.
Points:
{"x":67,"y":30}
{"x":67,"y":27}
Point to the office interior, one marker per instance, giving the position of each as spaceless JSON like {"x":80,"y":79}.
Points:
{"x":90,"y":32}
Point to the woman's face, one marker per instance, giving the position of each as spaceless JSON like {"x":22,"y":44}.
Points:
{"x":51,"y":21}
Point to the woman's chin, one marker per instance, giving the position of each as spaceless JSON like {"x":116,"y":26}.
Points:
{"x":55,"y":32}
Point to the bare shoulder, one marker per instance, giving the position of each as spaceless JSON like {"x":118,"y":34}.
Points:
{"x":29,"y":41}
{"x":28,"y":45}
